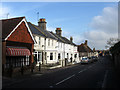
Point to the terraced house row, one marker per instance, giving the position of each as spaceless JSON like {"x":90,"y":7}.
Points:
{"x":24,"y":43}
{"x":52,"y":47}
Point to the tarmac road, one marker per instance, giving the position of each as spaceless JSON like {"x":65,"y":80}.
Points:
{"x":94,"y":75}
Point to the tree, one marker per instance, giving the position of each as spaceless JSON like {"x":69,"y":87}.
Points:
{"x":111,"y":42}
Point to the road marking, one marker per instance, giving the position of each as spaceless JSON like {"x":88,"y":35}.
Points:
{"x":105,"y":79}
{"x":82,"y":70}
{"x":86,"y":69}
{"x":64,"y":80}
{"x":70,"y":77}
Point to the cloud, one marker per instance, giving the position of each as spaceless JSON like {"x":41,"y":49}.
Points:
{"x":103,"y":27}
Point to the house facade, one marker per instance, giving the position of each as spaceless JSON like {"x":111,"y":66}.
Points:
{"x":17,"y":44}
{"x":67,"y":48}
{"x":51,"y":47}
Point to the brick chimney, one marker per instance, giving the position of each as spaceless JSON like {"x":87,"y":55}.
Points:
{"x":42,"y":23}
{"x":86,"y":42}
{"x":58,"y":31}
{"x":71,"y":39}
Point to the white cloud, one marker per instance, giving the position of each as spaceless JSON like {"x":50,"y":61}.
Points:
{"x":104,"y":27}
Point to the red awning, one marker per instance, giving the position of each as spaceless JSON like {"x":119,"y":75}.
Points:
{"x":11,"y":51}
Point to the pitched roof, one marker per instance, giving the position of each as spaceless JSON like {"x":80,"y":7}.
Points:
{"x":35,"y":30}
{"x":59,"y":38}
{"x":38,"y":31}
{"x":47,"y":33}
{"x":8,"y":25}
{"x":63,"y":39}
{"x":68,"y":41}
{"x":84,"y":48}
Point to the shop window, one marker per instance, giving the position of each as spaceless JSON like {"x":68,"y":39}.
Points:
{"x":16,"y":61}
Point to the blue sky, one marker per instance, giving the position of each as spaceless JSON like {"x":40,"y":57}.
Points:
{"x":73,"y":17}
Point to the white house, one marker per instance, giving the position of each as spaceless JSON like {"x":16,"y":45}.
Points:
{"x":67,"y":50}
{"x":52,"y":47}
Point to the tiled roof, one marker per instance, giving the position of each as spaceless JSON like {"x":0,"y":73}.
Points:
{"x":68,"y":41}
{"x":63,"y":39}
{"x":46,"y":33}
{"x":35,"y":30}
{"x":8,"y":25}
{"x":59,"y":38}
{"x":84,"y":48}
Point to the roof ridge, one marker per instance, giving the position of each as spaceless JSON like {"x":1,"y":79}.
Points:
{"x":58,"y":37}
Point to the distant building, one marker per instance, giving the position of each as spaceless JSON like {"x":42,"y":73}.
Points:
{"x":84,"y":50}
{"x":17,"y":44}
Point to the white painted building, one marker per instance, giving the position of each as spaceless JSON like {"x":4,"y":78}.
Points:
{"x":52,"y":47}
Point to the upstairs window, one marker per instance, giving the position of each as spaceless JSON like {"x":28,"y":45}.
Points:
{"x":52,"y":42}
{"x":48,"y":42}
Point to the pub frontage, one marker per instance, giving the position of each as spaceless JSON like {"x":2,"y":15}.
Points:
{"x":17,"y":46}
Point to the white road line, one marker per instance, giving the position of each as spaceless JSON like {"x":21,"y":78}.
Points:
{"x":70,"y":77}
{"x":105,"y":79}
{"x":64,"y":80}
{"x":82,"y":70}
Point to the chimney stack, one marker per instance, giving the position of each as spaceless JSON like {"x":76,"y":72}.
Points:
{"x":58,"y":31}
{"x":94,"y":50}
{"x":86,"y":42}
{"x":42,"y":23}
{"x":71,"y":39}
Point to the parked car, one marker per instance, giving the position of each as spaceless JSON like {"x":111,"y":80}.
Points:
{"x":91,"y":59}
{"x":94,"y":58}
{"x":85,"y":60}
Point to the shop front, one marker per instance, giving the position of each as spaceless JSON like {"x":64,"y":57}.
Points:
{"x":17,"y":46}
